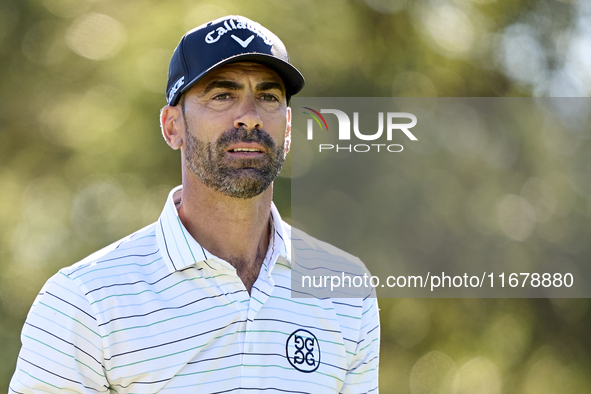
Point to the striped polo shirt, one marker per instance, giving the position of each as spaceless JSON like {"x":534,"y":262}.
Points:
{"x":156,"y":312}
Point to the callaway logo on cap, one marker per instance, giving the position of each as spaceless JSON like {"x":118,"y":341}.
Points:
{"x":230,"y":39}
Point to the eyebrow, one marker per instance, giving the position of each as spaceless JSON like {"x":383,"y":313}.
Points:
{"x":270,"y":86}
{"x":231,"y":85}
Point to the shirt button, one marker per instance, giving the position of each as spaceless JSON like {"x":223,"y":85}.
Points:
{"x":250,"y":348}
{"x":231,"y":288}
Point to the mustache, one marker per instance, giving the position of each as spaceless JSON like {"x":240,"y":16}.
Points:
{"x":242,"y":134}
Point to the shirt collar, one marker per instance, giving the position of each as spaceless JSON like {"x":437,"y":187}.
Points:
{"x":280,"y":239}
{"x":179,"y":249}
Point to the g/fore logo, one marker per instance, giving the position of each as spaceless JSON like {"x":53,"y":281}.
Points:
{"x":302,"y":350}
{"x":393,"y":124}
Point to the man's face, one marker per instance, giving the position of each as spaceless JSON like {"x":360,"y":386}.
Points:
{"x":235,"y":129}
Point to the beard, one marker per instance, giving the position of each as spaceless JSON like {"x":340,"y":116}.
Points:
{"x":234,"y":177}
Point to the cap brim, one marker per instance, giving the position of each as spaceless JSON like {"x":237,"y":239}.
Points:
{"x":292,"y":79}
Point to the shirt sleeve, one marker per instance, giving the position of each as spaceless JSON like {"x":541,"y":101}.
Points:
{"x":362,"y":372}
{"x":61,"y":346}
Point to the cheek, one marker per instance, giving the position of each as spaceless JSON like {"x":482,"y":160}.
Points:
{"x":206,"y":124}
{"x":205,"y":131}
{"x":276,"y":127}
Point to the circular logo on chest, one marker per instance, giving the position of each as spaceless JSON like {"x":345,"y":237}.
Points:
{"x":303,"y":351}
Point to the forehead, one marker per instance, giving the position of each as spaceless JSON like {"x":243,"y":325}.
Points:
{"x":241,"y":72}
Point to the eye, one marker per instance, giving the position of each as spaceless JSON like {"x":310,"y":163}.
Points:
{"x":269,"y":97}
{"x":221,"y":96}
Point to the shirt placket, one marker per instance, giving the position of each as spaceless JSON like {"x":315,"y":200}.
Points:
{"x":232,"y":290}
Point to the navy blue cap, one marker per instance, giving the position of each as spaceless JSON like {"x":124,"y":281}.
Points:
{"x":230,"y":39}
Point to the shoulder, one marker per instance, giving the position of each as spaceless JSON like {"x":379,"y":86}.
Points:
{"x":116,"y":258}
{"x":306,"y":245}
{"x":323,"y":270}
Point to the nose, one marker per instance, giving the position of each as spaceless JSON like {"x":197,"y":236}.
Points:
{"x":248,"y":115}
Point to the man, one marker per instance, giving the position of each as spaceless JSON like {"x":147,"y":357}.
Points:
{"x":200,"y":301}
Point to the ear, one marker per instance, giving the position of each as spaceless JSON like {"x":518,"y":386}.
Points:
{"x":288,"y":131}
{"x":172,"y":125}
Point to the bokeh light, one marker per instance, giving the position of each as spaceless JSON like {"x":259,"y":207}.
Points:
{"x":96,"y":36}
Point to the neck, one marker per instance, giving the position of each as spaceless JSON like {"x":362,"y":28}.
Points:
{"x":234,"y":229}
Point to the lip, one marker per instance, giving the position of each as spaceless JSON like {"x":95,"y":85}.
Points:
{"x":246,"y":145}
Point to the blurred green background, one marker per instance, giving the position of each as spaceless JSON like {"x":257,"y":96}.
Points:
{"x":83,"y":163}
